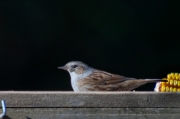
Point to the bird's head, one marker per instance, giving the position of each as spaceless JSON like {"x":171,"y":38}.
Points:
{"x":76,"y":67}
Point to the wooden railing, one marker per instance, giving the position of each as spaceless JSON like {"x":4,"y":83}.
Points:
{"x":92,"y":105}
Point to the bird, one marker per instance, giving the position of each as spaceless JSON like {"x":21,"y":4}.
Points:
{"x":85,"y":79}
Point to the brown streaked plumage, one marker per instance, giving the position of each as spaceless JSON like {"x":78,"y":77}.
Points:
{"x":85,"y":78}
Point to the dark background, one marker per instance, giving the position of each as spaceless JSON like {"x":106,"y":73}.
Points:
{"x":134,"y":38}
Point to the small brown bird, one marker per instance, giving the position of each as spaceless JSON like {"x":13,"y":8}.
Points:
{"x":85,"y":78}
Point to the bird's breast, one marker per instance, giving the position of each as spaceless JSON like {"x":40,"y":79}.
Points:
{"x":74,"y":84}
{"x":76,"y":79}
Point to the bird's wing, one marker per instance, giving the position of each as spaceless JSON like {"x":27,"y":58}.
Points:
{"x":104,"y":78}
{"x":102,"y":81}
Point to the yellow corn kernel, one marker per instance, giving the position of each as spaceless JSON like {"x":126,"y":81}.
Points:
{"x":172,"y":75}
{"x":178,"y":90}
{"x":171,"y":89}
{"x":171,"y":82}
{"x":174,"y":89}
{"x":175,"y":82}
{"x":163,"y":83}
{"x":169,"y":76}
{"x":167,"y":89}
{"x":178,"y":83}
{"x":177,"y":77}
{"x":163,"y":89}
{"x":176,"y":74}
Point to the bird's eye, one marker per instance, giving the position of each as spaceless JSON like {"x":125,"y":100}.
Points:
{"x":74,"y":66}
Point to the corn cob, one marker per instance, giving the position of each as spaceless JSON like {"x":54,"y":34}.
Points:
{"x":173,"y":84}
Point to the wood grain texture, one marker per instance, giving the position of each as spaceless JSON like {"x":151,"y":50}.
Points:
{"x":92,"y":113}
{"x":90,"y":99}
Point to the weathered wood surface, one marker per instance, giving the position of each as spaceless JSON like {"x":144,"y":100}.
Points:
{"x":96,"y":99}
{"x":93,"y":105}
{"x":92,"y":113}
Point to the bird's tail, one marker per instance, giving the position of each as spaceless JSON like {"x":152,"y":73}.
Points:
{"x":155,"y":80}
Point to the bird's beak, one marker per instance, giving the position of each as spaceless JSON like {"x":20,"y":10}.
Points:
{"x":63,"y":67}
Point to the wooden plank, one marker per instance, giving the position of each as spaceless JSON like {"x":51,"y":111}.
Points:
{"x":91,"y":99}
{"x":93,"y":113}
